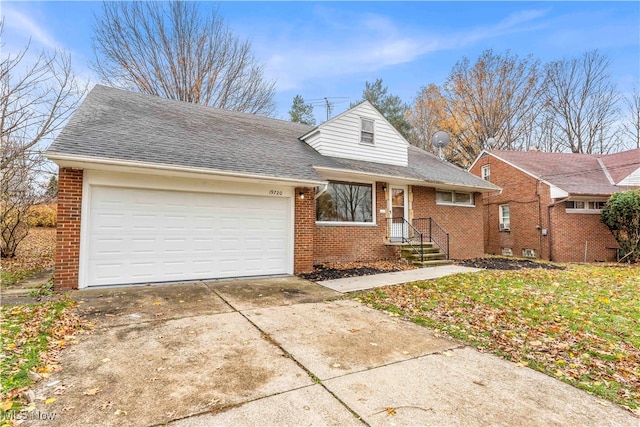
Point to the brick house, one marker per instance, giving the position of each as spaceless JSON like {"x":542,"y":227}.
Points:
{"x":550,"y":203}
{"x":153,"y":190}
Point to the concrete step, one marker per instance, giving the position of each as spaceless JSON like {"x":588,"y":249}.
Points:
{"x":427,"y":250}
{"x":426,"y":256}
{"x":431,"y":263}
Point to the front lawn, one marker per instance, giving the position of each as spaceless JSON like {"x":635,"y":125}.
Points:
{"x":580,"y":325}
{"x":31,"y":336}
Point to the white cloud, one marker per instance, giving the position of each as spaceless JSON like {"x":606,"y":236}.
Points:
{"x":25,"y":26}
{"x":354,"y":44}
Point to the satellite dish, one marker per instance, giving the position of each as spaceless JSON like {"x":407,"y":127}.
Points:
{"x":440,"y":139}
{"x":491,"y":142}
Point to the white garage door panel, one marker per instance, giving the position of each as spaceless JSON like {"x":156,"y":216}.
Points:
{"x":138,"y":236}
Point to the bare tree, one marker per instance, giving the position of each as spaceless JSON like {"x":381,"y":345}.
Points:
{"x":581,"y":103}
{"x":170,"y":50}
{"x":427,"y":116}
{"x":492,"y":104}
{"x":35,"y":101}
{"x":631,"y":126}
{"x":21,"y":190}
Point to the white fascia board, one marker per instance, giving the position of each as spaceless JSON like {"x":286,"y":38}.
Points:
{"x":81,"y":162}
{"x":347,"y":174}
{"x":478,"y":158}
{"x":556,"y":192}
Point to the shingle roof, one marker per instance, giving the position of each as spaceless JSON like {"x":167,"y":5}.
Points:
{"x":577,"y":174}
{"x":113,"y":124}
{"x":620,"y":165}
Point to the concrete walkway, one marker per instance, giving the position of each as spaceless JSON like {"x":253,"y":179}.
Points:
{"x":353,"y":284}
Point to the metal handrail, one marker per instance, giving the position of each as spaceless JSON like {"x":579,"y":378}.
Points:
{"x":407,"y":239}
{"x":435,"y":232}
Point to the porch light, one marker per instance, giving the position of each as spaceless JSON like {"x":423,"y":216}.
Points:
{"x":301,"y":194}
{"x":384,"y":187}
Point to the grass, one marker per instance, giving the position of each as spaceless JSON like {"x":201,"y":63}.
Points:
{"x":31,"y":335}
{"x":580,"y":325}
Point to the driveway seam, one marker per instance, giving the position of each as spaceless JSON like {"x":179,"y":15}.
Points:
{"x":267,"y":337}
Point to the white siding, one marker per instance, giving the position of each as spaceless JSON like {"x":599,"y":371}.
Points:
{"x":632,"y":179}
{"x":340,"y":137}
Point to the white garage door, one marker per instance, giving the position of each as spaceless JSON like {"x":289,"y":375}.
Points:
{"x":141,"y":236}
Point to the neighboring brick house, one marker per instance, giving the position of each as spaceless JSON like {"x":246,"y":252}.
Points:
{"x":153,"y":190}
{"x":550,"y":203}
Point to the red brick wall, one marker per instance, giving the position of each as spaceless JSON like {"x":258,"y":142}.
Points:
{"x":570,"y":231}
{"x":304,"y":224}
{"x":343,"y":243}
{"x":528,"y":200}
{"x":464,"y":224}
{"x":68,"y":229}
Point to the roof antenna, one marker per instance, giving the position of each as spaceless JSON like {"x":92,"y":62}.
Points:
{"x":329,"y":107}
{"x":440,"y":139}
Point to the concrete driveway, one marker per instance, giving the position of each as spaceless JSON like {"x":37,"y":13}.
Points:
{"x":283,"y":351}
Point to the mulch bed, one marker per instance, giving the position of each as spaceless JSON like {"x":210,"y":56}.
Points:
{"x":353,"y":269}
{"x":507,"y":264}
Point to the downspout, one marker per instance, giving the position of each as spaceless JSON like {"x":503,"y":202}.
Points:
{"x":321,"y":192}
{"x":549,"y":226}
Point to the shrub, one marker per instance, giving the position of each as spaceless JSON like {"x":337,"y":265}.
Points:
{"x":622,"y":216}
{"x":43,"y":215}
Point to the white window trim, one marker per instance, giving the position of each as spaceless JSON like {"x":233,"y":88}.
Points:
{"x":502,"y":226}
{"x":472,"y":199}
{"x":374,"y":221}
{"x":485,"y":172}
{"x":362,"y":131}
{"x":585,"y":210}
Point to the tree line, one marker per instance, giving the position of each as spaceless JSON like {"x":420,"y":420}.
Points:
{"x":505,"y":102}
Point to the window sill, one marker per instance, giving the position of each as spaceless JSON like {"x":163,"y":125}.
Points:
{"x":584,"y":211}
{"x":347,"y":224}
{"x":462,"y":205}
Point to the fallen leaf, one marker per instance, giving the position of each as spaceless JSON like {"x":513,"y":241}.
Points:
{"x":50,"y":400}
{"x":120,"y":412}
{"x":6,"y":405}
{"x":91,"y":392}
{"x":391,"y":411}
{"x":105,"y":360}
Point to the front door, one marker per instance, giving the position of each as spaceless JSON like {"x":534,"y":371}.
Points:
{"x":399,"y":208}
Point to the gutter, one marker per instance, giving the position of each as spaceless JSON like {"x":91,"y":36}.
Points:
{"x":85,"y":162}
{"x":442,"y":185}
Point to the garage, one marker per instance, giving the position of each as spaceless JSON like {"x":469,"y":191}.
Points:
{"x":140,"y":235}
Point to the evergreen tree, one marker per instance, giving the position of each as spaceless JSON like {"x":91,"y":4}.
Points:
{"x":301,"y":112}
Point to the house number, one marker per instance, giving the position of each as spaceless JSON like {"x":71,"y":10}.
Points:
{"x":275,"y":192}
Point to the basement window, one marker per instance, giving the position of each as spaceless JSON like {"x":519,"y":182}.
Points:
{"x":529,"y":253}
{"x":507,"y":252}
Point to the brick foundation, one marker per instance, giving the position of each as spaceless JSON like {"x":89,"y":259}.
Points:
{"x":68,"y":229}
{"x":304,"y":223}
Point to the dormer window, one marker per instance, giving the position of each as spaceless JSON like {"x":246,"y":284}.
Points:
{"x":366,"y":131}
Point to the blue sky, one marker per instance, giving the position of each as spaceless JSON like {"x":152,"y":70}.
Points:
{"x":329,"y":49}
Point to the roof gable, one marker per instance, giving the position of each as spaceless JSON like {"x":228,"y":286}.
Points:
{"x":341,"y":137}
